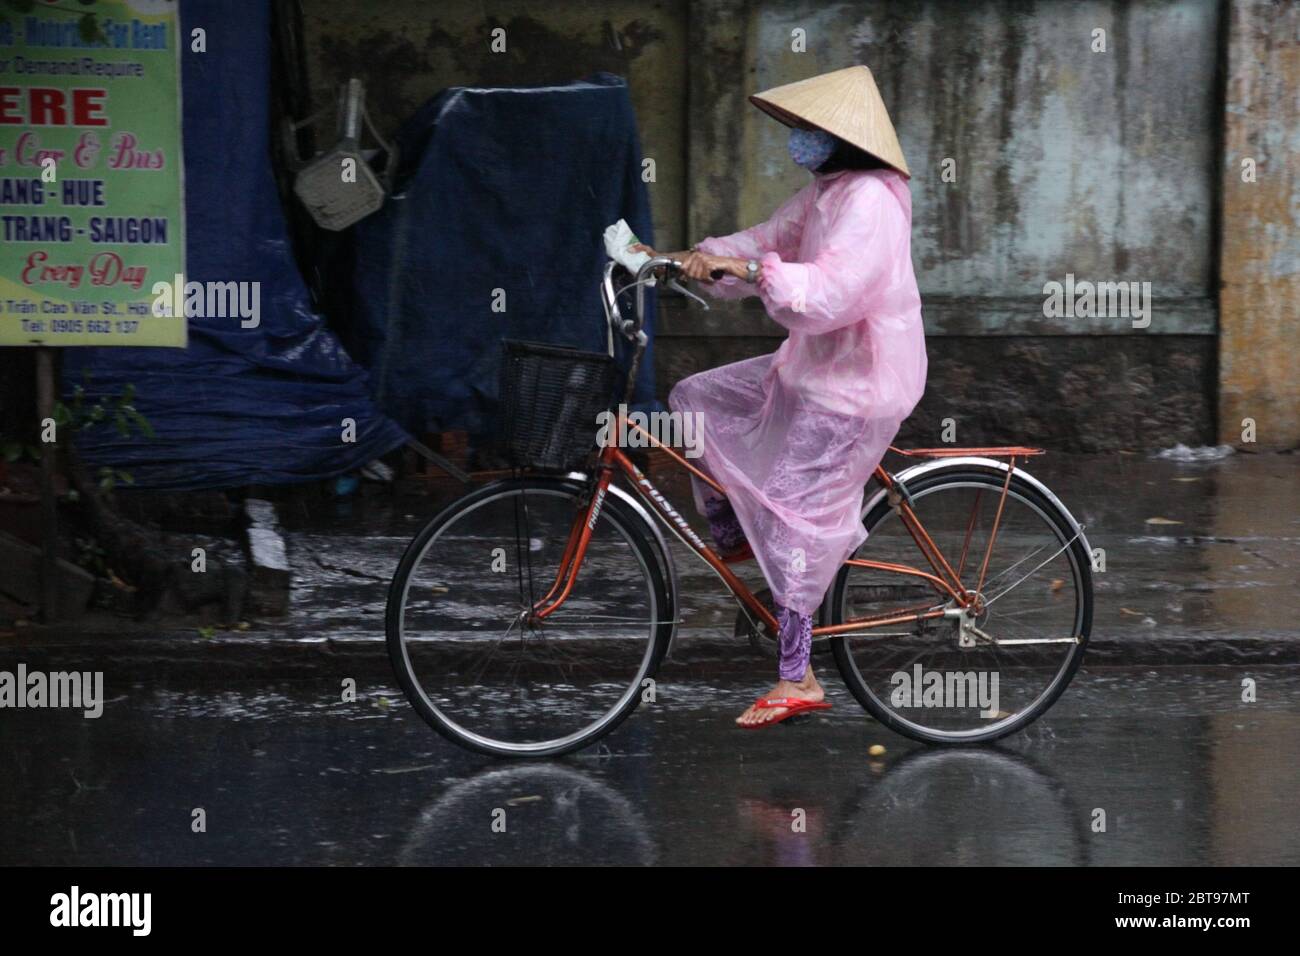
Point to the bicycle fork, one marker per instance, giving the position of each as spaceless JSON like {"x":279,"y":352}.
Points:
{"x":575,"y":549}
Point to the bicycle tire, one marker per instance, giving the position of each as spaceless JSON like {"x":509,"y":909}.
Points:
{"x":963,"y":476}
{"x":613,"y":510}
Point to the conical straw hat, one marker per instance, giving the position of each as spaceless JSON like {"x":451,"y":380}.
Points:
{"x":844,"y":103}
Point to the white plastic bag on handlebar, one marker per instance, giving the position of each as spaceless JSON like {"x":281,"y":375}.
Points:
{"x":619,"y":238}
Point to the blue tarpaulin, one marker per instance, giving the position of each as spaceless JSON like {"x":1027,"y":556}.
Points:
{"x":239,"y":406}
{"x":494,"y":231}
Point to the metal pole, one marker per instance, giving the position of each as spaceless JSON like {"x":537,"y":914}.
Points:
{"x":49,"y":507}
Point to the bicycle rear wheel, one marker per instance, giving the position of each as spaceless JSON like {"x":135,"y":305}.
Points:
{"x":932,"y":682}
{"x":469,"y":661}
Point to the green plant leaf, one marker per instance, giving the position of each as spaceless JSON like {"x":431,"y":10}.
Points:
{"x":140,"y":422}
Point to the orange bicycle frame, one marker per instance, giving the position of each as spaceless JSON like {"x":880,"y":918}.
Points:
{"x":943,"y":577}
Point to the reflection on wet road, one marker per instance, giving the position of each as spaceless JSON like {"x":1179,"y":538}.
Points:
{"x":288,"y":774}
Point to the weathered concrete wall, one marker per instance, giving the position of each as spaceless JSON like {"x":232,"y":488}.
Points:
{"x":1260,"y":296}
{"x":1078,"y":393}
{"x":1067,"y":160}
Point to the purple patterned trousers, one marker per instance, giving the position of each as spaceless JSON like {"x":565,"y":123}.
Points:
{"x":795,"y":628}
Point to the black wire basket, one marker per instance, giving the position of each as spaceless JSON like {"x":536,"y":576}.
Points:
{"x":551,"y":397}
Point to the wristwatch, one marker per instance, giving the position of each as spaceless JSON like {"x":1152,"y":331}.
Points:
{"x":751,"y":271}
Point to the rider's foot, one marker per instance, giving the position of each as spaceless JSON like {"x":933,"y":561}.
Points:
{"x":806,"y":689}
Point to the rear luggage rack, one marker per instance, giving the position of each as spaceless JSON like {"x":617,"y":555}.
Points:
{"x":1004,"y":451}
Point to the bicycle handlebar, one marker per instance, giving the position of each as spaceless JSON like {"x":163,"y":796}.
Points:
{"x":631,"y":328}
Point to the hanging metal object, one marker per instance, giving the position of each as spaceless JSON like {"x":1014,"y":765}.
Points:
{"x":339,"y":186}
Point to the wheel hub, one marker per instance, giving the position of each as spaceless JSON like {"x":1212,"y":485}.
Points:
{"x":968,"y":620}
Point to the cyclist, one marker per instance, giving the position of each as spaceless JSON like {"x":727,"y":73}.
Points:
{"x":794,"y":436}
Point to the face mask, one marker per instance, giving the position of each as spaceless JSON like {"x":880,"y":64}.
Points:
{"x":811,"y":147}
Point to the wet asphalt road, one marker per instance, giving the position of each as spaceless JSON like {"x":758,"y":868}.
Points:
{"x":287,"y":774}
{"x":1152,"y":732}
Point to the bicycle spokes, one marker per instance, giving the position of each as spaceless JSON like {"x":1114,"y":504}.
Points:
{"x":487,"y":662}
{"x":995,"y":650}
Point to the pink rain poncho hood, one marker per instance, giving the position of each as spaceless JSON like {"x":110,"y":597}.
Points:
{"x":794,"y":436}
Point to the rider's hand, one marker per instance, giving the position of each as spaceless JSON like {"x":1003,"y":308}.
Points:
{"x":675,"y":256}
{"x":701,"y":266}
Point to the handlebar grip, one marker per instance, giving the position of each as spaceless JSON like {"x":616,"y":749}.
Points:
{"x":717,"y":274}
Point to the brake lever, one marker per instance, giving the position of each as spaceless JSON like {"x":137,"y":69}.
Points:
{"x":678,"y":287}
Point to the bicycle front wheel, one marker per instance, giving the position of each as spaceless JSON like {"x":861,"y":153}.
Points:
{"x":470,"y":660}
{"x":937,"y":681}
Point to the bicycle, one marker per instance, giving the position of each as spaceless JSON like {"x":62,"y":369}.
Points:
{"x":505,"y":648}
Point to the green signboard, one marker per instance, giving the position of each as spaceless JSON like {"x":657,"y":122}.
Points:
{"x":91,"y":179}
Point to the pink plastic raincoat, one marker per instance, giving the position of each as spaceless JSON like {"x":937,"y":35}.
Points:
{"x":794,"y":436}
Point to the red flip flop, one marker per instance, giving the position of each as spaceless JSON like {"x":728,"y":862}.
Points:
{"x":793,"y":707}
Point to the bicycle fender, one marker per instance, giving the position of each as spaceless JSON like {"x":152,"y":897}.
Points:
{"x":984,"y":464}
